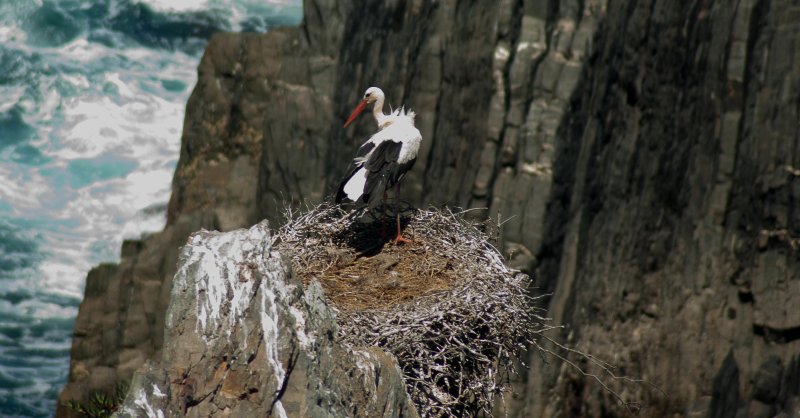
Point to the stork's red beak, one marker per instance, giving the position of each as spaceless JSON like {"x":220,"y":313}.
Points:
{"x":360,"y":108}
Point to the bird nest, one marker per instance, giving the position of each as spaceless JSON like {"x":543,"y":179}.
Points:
{"x":445,"y":305}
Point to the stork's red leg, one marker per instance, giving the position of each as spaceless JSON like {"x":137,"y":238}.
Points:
{"x":399,"y":238}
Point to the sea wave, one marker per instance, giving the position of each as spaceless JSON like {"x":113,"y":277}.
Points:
{"x":93,"y":95}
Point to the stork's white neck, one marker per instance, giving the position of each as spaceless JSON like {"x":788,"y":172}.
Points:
{"x":377,"y":110}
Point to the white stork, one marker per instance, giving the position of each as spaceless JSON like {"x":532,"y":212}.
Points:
{"x":384,"y":159}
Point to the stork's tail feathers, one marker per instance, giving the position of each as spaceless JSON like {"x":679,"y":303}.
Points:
{"x":352,"y":187}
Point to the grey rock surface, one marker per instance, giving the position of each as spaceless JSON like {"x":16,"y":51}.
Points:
{"x":643,"y":155}
{"x":243,"y":339}
{"x":671,"y":235}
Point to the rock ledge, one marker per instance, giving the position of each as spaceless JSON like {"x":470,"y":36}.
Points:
{"x":244,"y":339}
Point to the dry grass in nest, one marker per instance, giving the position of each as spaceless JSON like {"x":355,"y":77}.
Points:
{"x":360,"y":270}
{"x":445,"y":305}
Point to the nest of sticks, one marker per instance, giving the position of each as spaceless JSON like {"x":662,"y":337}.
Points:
{"x":445,"y":305}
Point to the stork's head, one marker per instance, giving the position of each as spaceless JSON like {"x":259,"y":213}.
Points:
{"x":372,"y":94}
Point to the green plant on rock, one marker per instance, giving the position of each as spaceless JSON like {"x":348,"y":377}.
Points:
{"x":100,"y":404}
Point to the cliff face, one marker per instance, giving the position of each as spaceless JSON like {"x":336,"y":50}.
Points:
{"x":671,"y":232}
{"x":643,"y":155}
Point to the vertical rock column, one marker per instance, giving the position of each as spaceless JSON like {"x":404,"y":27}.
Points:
{"x":671,"y":237}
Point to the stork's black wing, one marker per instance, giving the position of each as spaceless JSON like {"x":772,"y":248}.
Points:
{"x":364,"y":149}
{"x":384,"y":171}
{"x":387,"y":152}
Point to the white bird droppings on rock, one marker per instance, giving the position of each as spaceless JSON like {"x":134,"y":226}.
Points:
{"x":225,"y":266}
{"x":157,"y":392}
{"x":306,"y":340}
{"x":142,"y":402}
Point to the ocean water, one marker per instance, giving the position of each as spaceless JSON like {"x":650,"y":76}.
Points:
{"x":92,"y":97}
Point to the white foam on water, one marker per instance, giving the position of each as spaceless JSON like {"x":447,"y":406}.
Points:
{"x":10,"y":30}
{"x":135,"y":124}
{"x":57,"y":278}
{"x":79,"y":50}
{"x":179,"y":6}
{"x":25,"y":189}
{"x":237,"y":11}
{"x":11,"y":95}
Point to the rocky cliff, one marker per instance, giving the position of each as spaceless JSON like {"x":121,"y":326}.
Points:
{"x":643,"y":155}
{"x":671,"y":234}
{"x":244,"y":339}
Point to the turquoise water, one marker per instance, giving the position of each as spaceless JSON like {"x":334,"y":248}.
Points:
{"x":92,"y":95}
